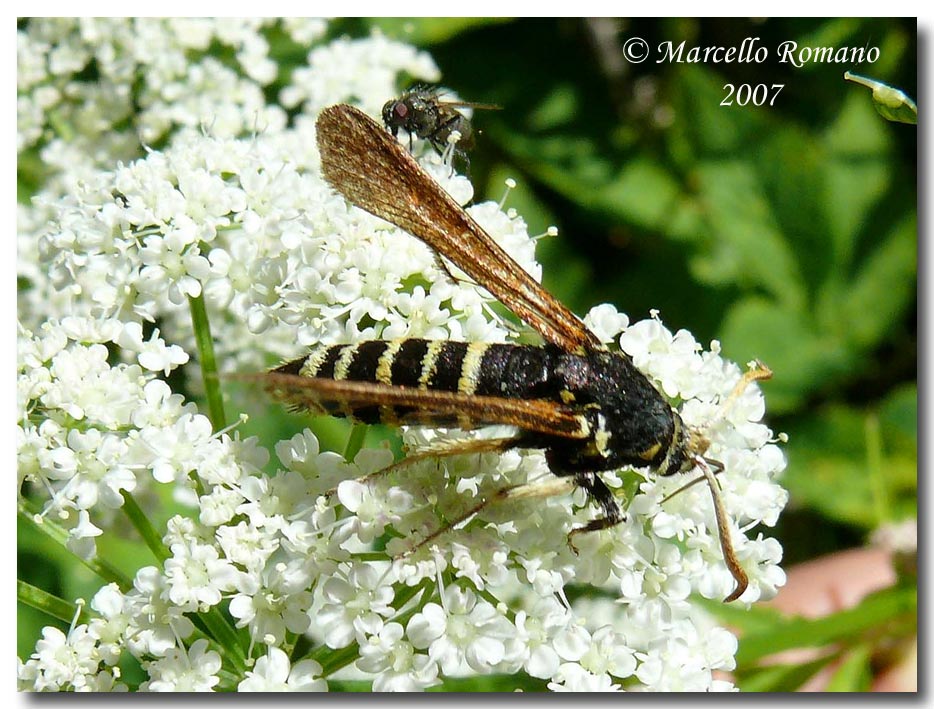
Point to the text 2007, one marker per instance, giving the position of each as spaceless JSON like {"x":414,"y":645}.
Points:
{"x":746,"y":94}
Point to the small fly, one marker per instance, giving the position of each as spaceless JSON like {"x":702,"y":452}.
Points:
{"x":422,"y":112}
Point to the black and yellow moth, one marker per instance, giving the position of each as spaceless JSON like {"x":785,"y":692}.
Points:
{"x":588,"y":408}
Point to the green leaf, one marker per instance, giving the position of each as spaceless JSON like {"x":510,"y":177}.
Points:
{"x":894,"y":605}
{"x":838,"y":466}
{"x":791,"y":175}
{"x":780,"y":678}
{"x":707,"y":130}
{"x":881,"y":291}
{"x":787,"y":341}
{"x":854,"y":673}
{"x":835,"y":31}
{"x":429,"y":30}
{"x":891,"y":103}
{"x":857,"y":173}
{"x":747,"y":245}
{"x":644,"y":192}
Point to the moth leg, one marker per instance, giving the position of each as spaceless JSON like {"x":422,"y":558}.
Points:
{"x":718,"y":468}
{"x":612,"y":514}
{"x":472,"y":447}
{"x":551,"y":488}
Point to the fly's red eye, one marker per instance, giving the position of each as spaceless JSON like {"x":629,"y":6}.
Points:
{"x":401,"y":110}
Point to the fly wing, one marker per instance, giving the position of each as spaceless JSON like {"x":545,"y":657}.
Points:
{"x":371,"y":169}
{"x":470,"y":104}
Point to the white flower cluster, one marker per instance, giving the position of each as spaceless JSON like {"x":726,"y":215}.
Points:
{"x":274,"y":252}
{"x":356,"y":69}
{"x":311,"y":554}
{"x":480,"y":599}
{"x":88,"y":430}
{"x":252,"y":226}
{"x":97,"y":74}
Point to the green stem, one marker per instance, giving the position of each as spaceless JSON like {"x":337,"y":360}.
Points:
{"x":333,"y":660}
{"x":205,"y":343}
{"x":880,"y":497}
{"x":214,"y":621}
{"x":59,"y":535}
{"x":406,"y":594}
{"x":49,"y":604}
{"x":142,"y":525}
{"x":354,"y":442}
{"x":371,"y":556}
{"x":226,"y":637}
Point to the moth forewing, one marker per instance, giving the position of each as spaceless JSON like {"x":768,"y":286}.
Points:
{"x":369,"y":167}
{"x":415,"y":407}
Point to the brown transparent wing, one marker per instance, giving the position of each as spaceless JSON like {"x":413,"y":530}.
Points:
{"x":419,"y":407}
{"x":372,"y":170}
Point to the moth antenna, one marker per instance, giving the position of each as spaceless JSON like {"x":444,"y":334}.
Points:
{"x":757,"y":372}
{"x":723,"y":531}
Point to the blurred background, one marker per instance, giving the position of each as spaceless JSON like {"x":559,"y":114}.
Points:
{"x":787,"y":232}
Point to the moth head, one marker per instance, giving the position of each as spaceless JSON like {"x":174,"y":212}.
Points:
{"x":686,"y":447}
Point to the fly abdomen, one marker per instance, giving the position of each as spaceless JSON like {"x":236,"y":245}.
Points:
{"x":508,"y":371}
